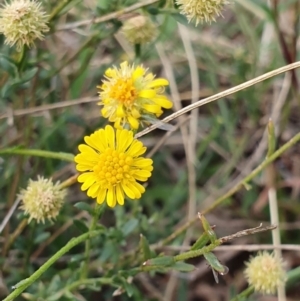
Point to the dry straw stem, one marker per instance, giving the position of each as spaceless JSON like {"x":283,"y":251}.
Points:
{"x":107,"y":17}
{"x":220,"y":95}
{"x":230,"y":248}
{"x":28,"y":111}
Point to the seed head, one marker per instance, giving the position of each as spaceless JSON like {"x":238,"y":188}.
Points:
{"x":139,"y":30}
{"x":42,"y":199}
{"x":21,"y":22}
{"x":265,"y":272}
{"x":201,"y":10}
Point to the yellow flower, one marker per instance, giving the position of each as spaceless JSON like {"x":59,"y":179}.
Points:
{"x":201,"y":10}
{"x":22,"y":21}
{"x":111,"y":165}
{"x":42,"y":199}
{"x":131,"y":96}
{"x":265,"y":272}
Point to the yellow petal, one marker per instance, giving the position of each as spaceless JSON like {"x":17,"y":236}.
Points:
{"x":110,"y":136}
{"x":120,"y":111}
{"x":124,"y":139}
{"x":139,"y":187}
{"x":105,"y":112}
{"x":138,"y":72}
{"x":142,"y":173}
{"x":142,"y":162}
{"x":96,"y":140}
{"x":135,"y":190}
{"x":111,"y":197}
{"x":101,"y":196}
{"x":158,"y":83}
{"x":152,"y":108}
{"x":88,"y":153}
{"x":147,"y":94}
{"x":120,"y":195}
{"x":133,"y":122}
{"x":163,"y":101}
{"x":127,"y":190}
{"x":135,"y":113}
{"x":84,"y":167}
{"x":124,"y":65}
{"x":136,"y":149}
{"x":117,"y":124}
{"x":93,"y":190}
{"x":87,"y":183}
{"x":110,"y":72}
{"x":84,"y":176}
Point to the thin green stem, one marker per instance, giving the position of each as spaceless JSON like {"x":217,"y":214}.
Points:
{"x":21,"y":57}
{"x":22,"y":285}
{"x":244,"y":294}
{"x":98,"y":210}
{"x":37,"y":153}
{"x":254,"y":173}
{"x":196,"y":253}
{"x":57,"y":9}
{"x":233,"y":190}
{"x":82,"y":283}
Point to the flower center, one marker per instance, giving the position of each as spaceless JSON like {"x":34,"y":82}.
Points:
{"x":113,"y":167}
{"x":124,"y":91}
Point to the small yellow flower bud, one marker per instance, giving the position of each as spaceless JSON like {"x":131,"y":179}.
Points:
{"x":265,"y":272}
{"x":21,"y":22}
{"x":42,"y":199}
{"x":201,"y":10}
{"x":139,"y":30}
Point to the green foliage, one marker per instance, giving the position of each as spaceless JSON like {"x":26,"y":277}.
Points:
{"x":48,"y":102}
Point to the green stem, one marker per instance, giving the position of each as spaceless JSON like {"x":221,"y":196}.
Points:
{"x":22,"y":285}
{"x":99,"y":209}
{"x":57,"y":9}
{"x":254,"y":173}
{"x":21,"y":58}
{"x":244,"y":294}
{"x":38,"y":153}
{"x":196,"y":253}
{"x":82,"y":283}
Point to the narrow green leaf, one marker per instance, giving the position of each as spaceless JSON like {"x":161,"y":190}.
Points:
{"x":129,"y":226}
{"x":201,"y":242}
{"x":207,"y":228}
{"x":76,"y":258}
{"x":128,"y":286}
{"x":41,"y":237}
{"x":81,"y":225}
{"x":214,"y":263}
{"x":8,"y":65}
{"x":183,"y":267}
{"x":164,"y":261}
{"x":145,"y":248}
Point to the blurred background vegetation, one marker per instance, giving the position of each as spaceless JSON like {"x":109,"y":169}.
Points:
{"x":48,"y":102}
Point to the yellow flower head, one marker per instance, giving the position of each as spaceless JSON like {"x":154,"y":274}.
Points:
{"x":265,"y":272}
{"x":22,"y":21}
{"x":139,"y":30}
{"x":111,"y":165}
{"x":42,"y":199}
{"x":130,"y":95}
{"x":201,"y":10}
